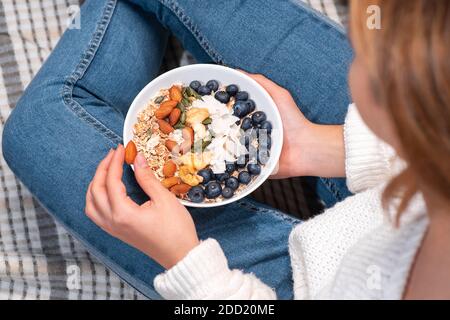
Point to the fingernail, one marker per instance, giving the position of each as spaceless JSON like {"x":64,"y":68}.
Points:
{"x":141,"y":162}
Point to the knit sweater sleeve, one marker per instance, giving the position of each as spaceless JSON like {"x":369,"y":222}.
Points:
{"x":368,"y":160}
{"x":204,"y":275}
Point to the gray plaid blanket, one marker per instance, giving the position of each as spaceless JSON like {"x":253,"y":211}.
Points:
{"x":38,"y":258}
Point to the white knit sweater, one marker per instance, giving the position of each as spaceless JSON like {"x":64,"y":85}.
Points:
{"x":351,"y":251}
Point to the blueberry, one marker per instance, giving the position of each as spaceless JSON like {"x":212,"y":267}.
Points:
{"x":258,"y":117}
{"x":249,"y":136}
{"x":242,"y":96}
{"x":204,"y":91}
{"x":213,"y":190}
{"x":232,"y":89}
{"x":221,"y":177}
{"x":245,"y":140}
{"x":222,"y":96}
{"x":251,"y":105}
{"x":196,"y":194}
{"x":240,"y":109}
{"x":244,"y":177}
{"x":232,"y":183}
{"x":206,"y":174}
{"x":265,"y":125}
{"x":213,"y":85}
{"x":246,"y":124}
{"x":195,"y":85}
{"x":254,"y":168}
{"x":227,"y":193}
{"x":230,"y":167}
{"x":241,"y":161}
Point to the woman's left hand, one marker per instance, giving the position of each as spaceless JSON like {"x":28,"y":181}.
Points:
{"x":162,"y":227}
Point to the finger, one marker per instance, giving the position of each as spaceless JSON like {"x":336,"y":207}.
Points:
{"x":275,"y":91}
{"x":98,"y":185}
{"x":147,"y":179}
{"x":117,"y":193}
{"x":90,"y":209}
{"x":271,"y":87}
{"x":89,"y":192}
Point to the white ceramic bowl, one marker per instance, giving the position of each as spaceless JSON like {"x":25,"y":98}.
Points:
{"x":225,"y":76}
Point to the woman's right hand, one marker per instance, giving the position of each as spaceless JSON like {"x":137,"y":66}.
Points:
{"x":162,"y":227}
{"x":308,"y":149}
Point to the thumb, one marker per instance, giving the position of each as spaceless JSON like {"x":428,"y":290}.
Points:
{"x":146,"y":177}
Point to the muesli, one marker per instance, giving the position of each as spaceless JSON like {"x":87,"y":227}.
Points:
{"x":205,"y":142}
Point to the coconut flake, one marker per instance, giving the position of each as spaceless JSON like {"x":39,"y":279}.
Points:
{"x":153,"y":142}
{"x":177,"y":136}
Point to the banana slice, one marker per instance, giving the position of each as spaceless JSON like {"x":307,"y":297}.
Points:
{"x":188,"y":175}
{"x":196,"y":115}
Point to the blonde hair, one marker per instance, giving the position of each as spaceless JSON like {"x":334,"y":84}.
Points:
{"x":408,"y":62}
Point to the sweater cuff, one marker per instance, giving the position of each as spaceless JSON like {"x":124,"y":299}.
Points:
{"x":368,"y":160}
{"x":191,"y":278}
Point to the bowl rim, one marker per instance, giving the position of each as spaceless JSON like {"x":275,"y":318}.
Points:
{"x":266,"y":172}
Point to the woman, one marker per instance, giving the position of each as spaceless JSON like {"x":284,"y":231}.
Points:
{"x":400,"y":85}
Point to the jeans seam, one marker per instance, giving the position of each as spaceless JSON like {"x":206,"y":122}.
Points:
{"x":80,"y":70}
{"x":332,"y":188}
{"x":174,"y":6}
{"x":262,"y":210}
{"x":280,"y":215}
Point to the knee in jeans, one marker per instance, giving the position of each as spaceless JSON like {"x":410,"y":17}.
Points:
{"x":22,"y":130}
{"x":11,"y":139}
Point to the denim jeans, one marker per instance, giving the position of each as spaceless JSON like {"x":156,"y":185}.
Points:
{"x":73,"y":111}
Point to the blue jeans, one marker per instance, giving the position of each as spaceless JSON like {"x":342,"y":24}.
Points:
{"x":72,"y":113}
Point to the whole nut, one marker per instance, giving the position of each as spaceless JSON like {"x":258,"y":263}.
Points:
{"x":169,"y":169}
{"x":174,"y":116}
{"x":170,"y":182}
{"x":175,"y":94}
{"x":165,"y":127}
{"x":170,"y":145}
{"x":130,"y":152}
{"x":196,"y":115}
{"x":165,"y":109}
{"x":180,"y":189}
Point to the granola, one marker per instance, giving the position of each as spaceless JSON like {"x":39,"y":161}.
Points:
{"x":208,"y":136}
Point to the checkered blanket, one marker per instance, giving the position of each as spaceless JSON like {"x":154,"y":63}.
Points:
{"x":38,"y":258}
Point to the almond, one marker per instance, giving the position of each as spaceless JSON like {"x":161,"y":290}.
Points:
{"x":175,"y":94}
{"x":170,"y":182}
{"x":169,"y":169}
{"x":174,"y":116}
{"x":165,"y":127}
{"x":165,"y":109}
{"x":188,"y":134}
{"x":171,"y":145}
{"x":163,"y":112}
{"x":169,"y":103}
{"x":180,"y":189}
{"x":130,"y":152}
